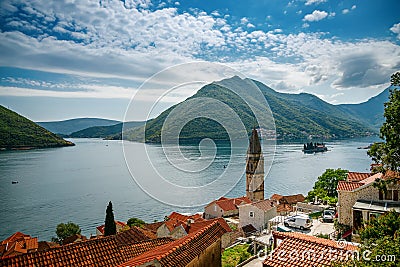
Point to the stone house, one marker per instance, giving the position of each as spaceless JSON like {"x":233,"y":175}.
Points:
{"x":224,"y":207}
{"x":359,"y":200}
{"x":286,"y":204}
{"x":257,"y":213}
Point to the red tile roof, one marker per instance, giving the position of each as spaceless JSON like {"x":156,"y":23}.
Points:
{"x":348,"y":186}
{"x":276,"y":197}
{"x":357,"y":176}
{"x":104,"y":251}
{"x":196,"y":226}
{"x":182,"y":251}
{"x":153,"y":226}
{"x":351,"y":186}
{"x":390,"y":175}
{"x":299,"y":250}
{"x":18,"y":243}
{"x":229,"y":204}
{"x":183,"y":218}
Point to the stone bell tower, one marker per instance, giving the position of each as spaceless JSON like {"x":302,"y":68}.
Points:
{"x":255,"y":169}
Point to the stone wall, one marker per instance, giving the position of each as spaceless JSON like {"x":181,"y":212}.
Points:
{"x":211,"y":256}
{"x":346,"y":201}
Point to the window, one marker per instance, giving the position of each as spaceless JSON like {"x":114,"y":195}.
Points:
{"x":391,"y":194}
{"x":215,"y":207}
{"x":251,"y":214}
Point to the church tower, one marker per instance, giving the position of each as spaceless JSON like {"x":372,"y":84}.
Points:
{"x":255,"y":169}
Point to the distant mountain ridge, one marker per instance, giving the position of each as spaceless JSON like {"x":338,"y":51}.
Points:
{"x":18,"y":132}
{"x":371,"y":111}
{"x":297,"y":116}
{"x":105,"y":131}
{"x":67,"y":127}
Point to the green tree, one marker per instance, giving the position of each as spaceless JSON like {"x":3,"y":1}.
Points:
{"x":135,"y":222}
{"x":380,"y":239}
{"x":65,"y":230}
{"x":325,"y":186}
{"x":387,"y":153}
{"x":109,"y":226}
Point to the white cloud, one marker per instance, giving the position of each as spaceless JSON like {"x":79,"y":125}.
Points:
{"x":149,"y":41}
{"x":345,"y":11}
{"x":315,"y":16}
{"x":316,"y":2}
{"x":353,"y":7}
{"x":396,"y":29}
{"x":244,"y":20}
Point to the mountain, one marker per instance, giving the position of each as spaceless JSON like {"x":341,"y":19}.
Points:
{"x":297,"y":116}
{"x":18,"y":132}
{"x":67,"y":127}
{"x":370,"y":112}
{"x":105,"y":131}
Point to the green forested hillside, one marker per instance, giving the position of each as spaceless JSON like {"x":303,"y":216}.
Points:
{"x":297,"y":116}
{"x":18,"y":132}
{"x":105,"y":131}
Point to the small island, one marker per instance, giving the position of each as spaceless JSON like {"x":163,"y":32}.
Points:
{"x":314,"y":148}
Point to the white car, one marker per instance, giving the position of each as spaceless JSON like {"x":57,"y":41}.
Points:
{"x":298,"y":221}
{"x":328,"y":215}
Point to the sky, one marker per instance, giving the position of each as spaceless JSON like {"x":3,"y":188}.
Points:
{"x":66,"y":59}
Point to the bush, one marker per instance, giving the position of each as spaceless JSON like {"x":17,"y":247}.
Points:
{"x":235,"y":255}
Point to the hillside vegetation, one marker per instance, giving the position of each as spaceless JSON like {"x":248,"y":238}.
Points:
{"x":18,"y":132}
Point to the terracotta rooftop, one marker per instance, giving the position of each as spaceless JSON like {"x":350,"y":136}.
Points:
{"x":348,"y":186}
{"x":228,"y":204}
{"x":153,"y":226}
{"x":391,"y":174}
{"x":196,"y":226}
{"x":351,"y":186}
{"x":299,"y":250}
{"x":18,"y":243}
{"x":357,"y":176}
{"x":104,"y":251}
{"x":182,"y":251}
{"x":183,"y":218}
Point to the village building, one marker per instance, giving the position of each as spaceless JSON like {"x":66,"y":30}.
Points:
{"x":119,"y":226}
{"x":202,"y":247}
{"x":297,"y":249}
{"x":255,"y":169}
{"x":359,"y":200}
{"x":287,"y":204}
{"x":224,"y":207}
{"x":257,"y":214}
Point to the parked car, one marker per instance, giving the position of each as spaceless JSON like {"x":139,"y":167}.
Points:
{"x":328,"y":215}
{"x":298,"y":221}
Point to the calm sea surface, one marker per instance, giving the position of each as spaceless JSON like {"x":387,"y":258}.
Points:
{"x":76,"y":183}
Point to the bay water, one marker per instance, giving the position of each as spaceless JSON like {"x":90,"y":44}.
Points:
{"x":76,"y":183}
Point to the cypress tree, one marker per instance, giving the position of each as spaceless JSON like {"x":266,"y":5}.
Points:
{"x":109,"y":226}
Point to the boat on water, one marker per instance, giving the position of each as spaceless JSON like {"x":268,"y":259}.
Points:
{"x":14,"y":182}
{"x":314,"y":147}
